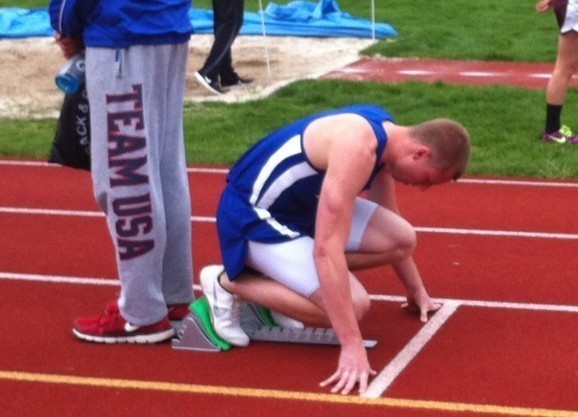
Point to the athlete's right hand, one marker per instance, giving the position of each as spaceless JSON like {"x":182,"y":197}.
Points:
{"x":544,"y":5}
{"x":68,"y":46}
{"x":353,"y":369}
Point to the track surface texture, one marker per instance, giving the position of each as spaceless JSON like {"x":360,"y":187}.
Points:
{"x":499,"y":252}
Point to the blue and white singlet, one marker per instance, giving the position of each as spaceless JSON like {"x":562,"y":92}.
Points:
{"x":272,"y":191}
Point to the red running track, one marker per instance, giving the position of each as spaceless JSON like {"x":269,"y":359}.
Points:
{"x":526,"y":75}
{"x":500,"y":253}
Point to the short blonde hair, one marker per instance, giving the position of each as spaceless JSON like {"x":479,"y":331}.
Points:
{"x":449,"y":142}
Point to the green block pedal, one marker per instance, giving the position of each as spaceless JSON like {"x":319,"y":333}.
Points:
{"x":196,"y":332}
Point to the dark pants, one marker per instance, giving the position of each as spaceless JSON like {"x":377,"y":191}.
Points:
{"x":228,"y":19}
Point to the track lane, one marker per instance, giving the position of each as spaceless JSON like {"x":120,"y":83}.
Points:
{"x":453,"y":266}
{"x":448,"y":259}
{"x":533,"y":75}
{"x":475,"y":203}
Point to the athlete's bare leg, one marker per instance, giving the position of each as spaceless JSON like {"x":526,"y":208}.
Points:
{"x":388,"y":239}
{"x":264,"y":291}
{"x":564,"y":69}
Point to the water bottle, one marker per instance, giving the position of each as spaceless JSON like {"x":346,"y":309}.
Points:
{"x":71,"y":76}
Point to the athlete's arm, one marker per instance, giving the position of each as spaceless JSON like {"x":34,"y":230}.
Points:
{"x":382,"y":192}
{"x":348,"y":153}
{"x":69,"y":17}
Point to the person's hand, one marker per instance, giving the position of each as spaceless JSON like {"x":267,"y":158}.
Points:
{"x":69,"y":46}
{"x":353,"y":369}
{"x":544,"y":5}
{"x":422,"y":304}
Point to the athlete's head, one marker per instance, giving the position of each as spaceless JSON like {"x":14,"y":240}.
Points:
{"x":449,"y":143}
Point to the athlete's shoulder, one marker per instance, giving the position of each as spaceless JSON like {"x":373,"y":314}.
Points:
{"x":373,"y":112}
{"x":69,"y":17}
{"x":124,"y":23}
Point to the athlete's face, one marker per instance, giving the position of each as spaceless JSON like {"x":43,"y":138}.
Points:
{"x":419,"y":172}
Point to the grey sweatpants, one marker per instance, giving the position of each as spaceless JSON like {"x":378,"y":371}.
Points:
{"x":139,"y":172}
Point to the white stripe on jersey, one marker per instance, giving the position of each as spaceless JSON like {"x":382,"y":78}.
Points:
{"x":284,"y":181}
{"x":289,"y":148}
{"x":284,"y":230}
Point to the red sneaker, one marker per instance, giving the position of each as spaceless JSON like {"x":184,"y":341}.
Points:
{"x":177,"y":312}
{"x":113,"y":328}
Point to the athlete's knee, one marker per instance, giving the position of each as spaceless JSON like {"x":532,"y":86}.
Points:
{"x":406,"y":241}
{"x":564,"y":71}
{"x":391,"y":234}
{"x":361,"y":303}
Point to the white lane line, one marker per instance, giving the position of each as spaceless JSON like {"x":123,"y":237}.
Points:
{"x":507,"y":305}
{"x":60,"y":279}
{"x":419,"y":229}
{"x":520,"y":306}
{"x":523,"y":183}
{"x":199,"y":170}
{"x":545,"y":75}
{"x":80,"y":213}
{"x":482,"y":74}
{"x":540,"y":75}
{"x":224,"y":171}
{"x":498,"y":233}
{"x":51,"y":212}
{"x":44,"y":164}
{"x":352,"y":71}
{"x":418,"y":72}
{"x":10,"y":162}
{"x":388,"y":375}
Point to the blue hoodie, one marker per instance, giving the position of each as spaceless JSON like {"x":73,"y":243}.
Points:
{"x":122,"y":23}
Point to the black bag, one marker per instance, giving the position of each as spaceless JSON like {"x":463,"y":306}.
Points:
{"x":71,"y":144}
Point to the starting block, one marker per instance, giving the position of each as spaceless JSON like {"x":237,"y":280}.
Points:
{"x":196,"y":331}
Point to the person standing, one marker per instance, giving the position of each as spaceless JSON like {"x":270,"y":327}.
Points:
{"x":566,"y":12}
{"x":136,"y":55}
{"x":217,"y":71}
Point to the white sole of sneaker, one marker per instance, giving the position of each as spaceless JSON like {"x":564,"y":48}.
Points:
{"x":141,"y":339}
{"x":205,"y":84}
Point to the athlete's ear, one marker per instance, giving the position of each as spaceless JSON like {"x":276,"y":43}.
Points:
{"x":422,"y":152}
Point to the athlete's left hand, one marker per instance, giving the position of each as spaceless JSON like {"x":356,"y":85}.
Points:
{"x":422,"y":304}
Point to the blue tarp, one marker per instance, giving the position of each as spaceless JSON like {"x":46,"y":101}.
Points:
{"x":297,"y":18}
{"x":21,"y":23}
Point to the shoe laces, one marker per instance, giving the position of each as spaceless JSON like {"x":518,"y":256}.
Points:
{"x":110,"y":316}
{"x":235,"y":305}
{"x":236,"y":311}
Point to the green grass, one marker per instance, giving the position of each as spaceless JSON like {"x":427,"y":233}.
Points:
{"x":27,"y":4}
{"x":504,"y":122}
{"x":465,"y":29}
{"x":26,"y":138}
{"x":462,"y":29}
